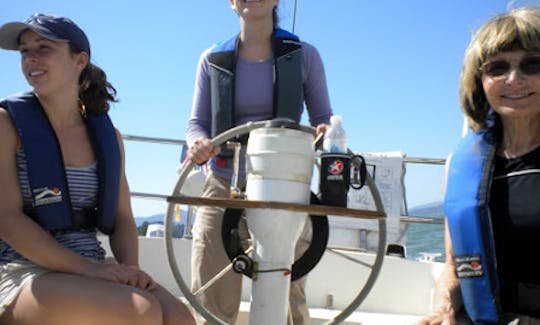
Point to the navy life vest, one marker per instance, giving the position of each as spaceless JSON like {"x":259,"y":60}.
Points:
{"x":46,"y":170}
{"x":467,"y":209}
{"x":288,"y":81}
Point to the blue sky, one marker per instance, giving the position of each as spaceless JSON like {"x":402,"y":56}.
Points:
{"x":392,"y":69}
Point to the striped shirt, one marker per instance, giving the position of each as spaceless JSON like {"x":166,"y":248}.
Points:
{"x":83,"y":187}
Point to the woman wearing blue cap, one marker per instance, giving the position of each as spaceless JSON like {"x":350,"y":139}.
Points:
{"x":62,"y":179}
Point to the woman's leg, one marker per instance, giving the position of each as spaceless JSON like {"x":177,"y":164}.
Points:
{"x":208,"y":258}
{"x":60,"y":298}
{"x":174,"y":311}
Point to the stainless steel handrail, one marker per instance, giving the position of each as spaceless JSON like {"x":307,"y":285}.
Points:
{"x":429,"y":161}
{"x":409,"y":160}
{"x":130,"y":137}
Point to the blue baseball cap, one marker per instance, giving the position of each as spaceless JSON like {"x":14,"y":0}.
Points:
{"x":54,"y":28}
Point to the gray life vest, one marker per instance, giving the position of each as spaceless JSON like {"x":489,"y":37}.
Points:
{"x":288,"y":85}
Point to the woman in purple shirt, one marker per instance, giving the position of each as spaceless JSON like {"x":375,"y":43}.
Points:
{"x":253,"y":67}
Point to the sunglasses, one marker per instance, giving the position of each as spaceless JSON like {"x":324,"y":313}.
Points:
{"x":528,"y":66}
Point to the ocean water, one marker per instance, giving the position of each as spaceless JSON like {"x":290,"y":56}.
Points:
{"x":425,"y":238}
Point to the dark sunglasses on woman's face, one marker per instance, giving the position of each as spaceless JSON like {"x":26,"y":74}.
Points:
{"x":528,"y":66}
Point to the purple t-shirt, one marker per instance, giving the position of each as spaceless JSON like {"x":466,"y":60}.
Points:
{"x":254,"y":98}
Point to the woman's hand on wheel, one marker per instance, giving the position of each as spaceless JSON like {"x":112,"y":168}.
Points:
{"x":202,"y":150}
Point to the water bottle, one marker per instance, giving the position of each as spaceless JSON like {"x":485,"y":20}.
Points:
{"x":335,"y":165}
{"x":335,"y":140}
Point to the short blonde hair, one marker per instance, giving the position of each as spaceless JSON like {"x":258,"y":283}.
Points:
{"x":516,"y":29}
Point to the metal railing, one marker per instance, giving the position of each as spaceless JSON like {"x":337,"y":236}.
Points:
{"x":428,"y":161}
{"x":153,"y":140}
{"x":161,"y":197}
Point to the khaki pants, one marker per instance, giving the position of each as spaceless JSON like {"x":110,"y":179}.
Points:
{"x":209,"y":257}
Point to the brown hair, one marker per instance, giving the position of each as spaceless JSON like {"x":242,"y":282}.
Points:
{"x":94,"y":89}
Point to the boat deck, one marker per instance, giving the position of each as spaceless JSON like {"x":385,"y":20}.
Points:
{"x":401,"y":294}
{"x":321,"y":316}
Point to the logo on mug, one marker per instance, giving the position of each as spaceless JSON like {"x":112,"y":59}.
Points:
{"x":336,"y":167}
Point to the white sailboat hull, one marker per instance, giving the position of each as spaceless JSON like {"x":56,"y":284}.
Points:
{"x":401,"y":294}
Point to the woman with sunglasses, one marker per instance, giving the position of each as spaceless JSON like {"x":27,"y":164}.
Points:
{"x":62,"y":179}
{"x":492,"y":200}
{"x":262,"y":73}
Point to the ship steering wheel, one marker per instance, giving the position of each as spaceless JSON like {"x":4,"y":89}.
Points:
{"x":188,"y":294}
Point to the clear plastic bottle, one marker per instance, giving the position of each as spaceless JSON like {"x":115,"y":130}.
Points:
{"x":335,"y":139}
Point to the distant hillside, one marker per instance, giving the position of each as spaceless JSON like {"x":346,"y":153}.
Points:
{"x":159,"y":218}
{"x":177,"y":227}
{"x":156,"y":218}
{"x":429,"y":210}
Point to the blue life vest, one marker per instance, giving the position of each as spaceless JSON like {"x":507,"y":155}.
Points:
{"x":288,"y":82}
{"x":46,"y":170}
{"x":467,"y":210}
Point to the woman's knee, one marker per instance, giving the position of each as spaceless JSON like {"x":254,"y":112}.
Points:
{"x":99,"y":301}
{"x":174,"y":311}
{"x":144,"y":308}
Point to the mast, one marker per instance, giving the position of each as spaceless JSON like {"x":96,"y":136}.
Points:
{"x":294,"y":17}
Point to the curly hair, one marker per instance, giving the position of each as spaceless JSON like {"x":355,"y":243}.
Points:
{"x":94,"y":90}
{"x":516,"y":29}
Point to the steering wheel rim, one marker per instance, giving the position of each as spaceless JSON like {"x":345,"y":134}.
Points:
{"x":168,"y":238}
